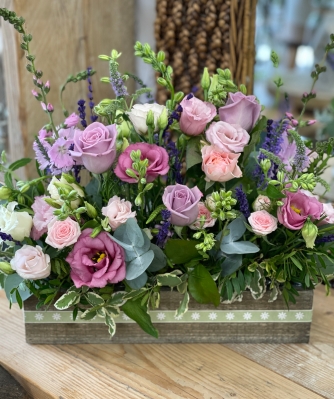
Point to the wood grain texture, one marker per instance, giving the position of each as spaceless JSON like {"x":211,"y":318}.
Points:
{"x":68,"y":36}
{"x":284,"y":332}
{"x":137,"y":371}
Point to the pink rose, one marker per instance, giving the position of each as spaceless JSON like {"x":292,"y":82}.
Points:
{"x":31,"y":263}
{"x":262,"y":222}
{"x":63,"y":233}
{"x":95,"y":147}
{"x":118,"y":211}
{"x":241,"y":110}
{"x":219,"y":165}
{"x":195,"y":115}
{"x":72,"y":120}
{"x":181,"y":201}
{"x":42,"y":217}
{"x":157,"y":162}
{"x":297,"y":208}
{"x":204,"y":219}
{"x":96,"y":262}
{"x":230,"y":138}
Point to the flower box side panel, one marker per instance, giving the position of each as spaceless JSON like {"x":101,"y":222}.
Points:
{"x":249,"y":321}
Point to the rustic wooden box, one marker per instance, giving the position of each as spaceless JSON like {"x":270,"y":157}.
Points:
{"x":249,"y":321}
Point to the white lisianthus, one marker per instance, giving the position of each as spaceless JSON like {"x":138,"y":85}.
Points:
{"x":53,"y":191}
{"x":139,"y":113}
{"x":262,"y":203}
{"x":17,"y":224}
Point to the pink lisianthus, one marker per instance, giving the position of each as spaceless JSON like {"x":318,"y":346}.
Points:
{"x":95,"y":147}
{"x":72,"y":120}
{"x":62,"y":233}
{"x":182,"y":203}
{"x":262,"y":222}
{"x":118,"y":211}
{"x":219,"y":165}
{"x":195,"y":115}
{"x":240,"y":109}
{"x":96,"y":262}
{"x":229,"y":138}
{"x":297,"y":208}
{"x":42,"y":217}
{"x":157,"y":162}
{"x":204,"y":218}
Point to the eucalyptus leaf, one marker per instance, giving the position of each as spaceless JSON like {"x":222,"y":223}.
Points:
{"x":138,"y":282}
{"x":239,"y":247}
{"x":130,"y":233}
{"x":237,"y":228}
{"x":138,"y":265}
{"x":159,"y":261}
{"x":14,"y":281}
{"x":231,"y":264}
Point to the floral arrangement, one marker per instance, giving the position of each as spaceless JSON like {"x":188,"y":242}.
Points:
{"x":206,"y":197}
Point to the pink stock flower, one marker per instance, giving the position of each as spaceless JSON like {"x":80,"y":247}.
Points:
{"x":43,"y":105}
{"x":297,"y":208}
{"x":204,"y":219}
{"x":262,"y":222}
{"x":182,"y":203}
{"x":96,"y":262}
{"x":72,"y":120}
{"x":311,"y":122}
{"x":195,"y":115}
{"x":34,"y":93}
{"x":59,"y":154}
{"x":118,"y":211}
{"x":157,"y":162}
{"x":31,"y":263}
{"x":95,"y":147}
{"x":49,"y":107}
{"x":241,"y":110}
{"x":47,"y":85}
{"x":229,"y":138}
{"x":219,"y":165}
{"x":42,"y":217}
{"x":62,"y":233}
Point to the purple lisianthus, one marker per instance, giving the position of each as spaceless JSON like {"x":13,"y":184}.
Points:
{"x":96,"y":262}
{"x":182,"y":203}
{"x":241,"y":110}
{"x":95,"y":147}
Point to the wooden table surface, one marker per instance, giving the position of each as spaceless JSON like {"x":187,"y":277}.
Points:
{"x":208,"y":371}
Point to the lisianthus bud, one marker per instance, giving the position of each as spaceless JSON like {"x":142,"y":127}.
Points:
{"x":178,"y":96}
{"x":5,"y":193}
{"x":243,"y":89}
{"x":309,"y":233}
{"x":150,"y":119}
{"x":265,"y":165}
{"x":205,"y":82}
{"x":163,"y":119}
{"x":261,"y":203}
{"x":91,"y":211}
{"x":6,"y":268}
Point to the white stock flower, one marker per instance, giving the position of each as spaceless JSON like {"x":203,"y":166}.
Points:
{"x":139,"y":113}
{"x":17,"y":224}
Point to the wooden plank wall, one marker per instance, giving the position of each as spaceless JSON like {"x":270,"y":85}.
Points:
{"x":68,"y":36}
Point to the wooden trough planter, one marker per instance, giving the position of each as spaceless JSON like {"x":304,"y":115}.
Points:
{"x":249,"y":321}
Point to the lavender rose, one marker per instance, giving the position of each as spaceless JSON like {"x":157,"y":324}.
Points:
{"x":182,"y":202}
{"x":297,"y":208}
{"x":95,"y":147}
{"x":195,"y":115}
{"x":241,"y":110}
{"x":157,"y":162}
{"x":230,"y":138}
{"x":95,"y":262}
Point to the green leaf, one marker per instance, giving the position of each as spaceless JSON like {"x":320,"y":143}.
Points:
{"x":296,"y":262}
{"x":273,"y":193}
{"x":88,"y":314}
{"x":255,"y":138}
{"x":19,"y":164}
{"x":8,"y":180}
{"x":138,"y":313}
{"x":91,"y":224}
{"x":181,"y":251}
{"x":138,"y":265}
{"x":94,"y":299}
{"x":193,"y":154}
{"x":202,"y":287}
{"x":209,"y":184}
{"x":183,"y":308}
{"x":66,"y":300}
{"x":168,"y":279}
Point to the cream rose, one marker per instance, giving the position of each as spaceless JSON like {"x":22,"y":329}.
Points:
{"x":62,"y":233}
{"x":261,"y":203}
{"x":31,"y":263}
{"x":219,"y":165}
{"x":139,"y":113}
{"x":53,"y":191}
{"x":118,"y":211}
{"x":262,"y":222}
{"x":17,"y":224}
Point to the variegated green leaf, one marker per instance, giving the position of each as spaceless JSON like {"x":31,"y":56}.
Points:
{"x":168,"y":279}
{"x":134,"y":293}
{"x":67,"y":300}
{"x":112,"y":310}
{"x":89,"y":314}
{"x":94,"y":299}
{"x":183,"y":308}
{"x":117,"y":298}
{"x":111,"y":324}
